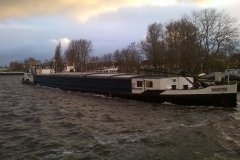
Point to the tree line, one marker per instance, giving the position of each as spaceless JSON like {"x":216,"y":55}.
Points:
{"x":196,"y":42}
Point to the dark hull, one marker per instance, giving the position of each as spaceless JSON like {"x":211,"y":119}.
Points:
{"x":122,"y":88}
{"x":218,"y":100}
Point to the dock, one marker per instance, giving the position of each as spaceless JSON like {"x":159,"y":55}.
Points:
{"x":11,"y":73}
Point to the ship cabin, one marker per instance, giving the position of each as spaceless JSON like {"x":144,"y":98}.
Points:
{"x":28,"y":76}
{"x":69,"y":67}
{"x":153,"y":83}
{"x":44,"y":69}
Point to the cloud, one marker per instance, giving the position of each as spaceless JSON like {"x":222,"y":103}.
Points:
{"x":79,"y":9}
{"x":207,"y":3}
{"x":27,"y":48}
{"x":64,"y":42}
{"x":195,"y":1}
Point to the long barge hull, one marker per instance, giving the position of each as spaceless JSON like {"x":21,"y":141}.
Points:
{"x":123,"y":87}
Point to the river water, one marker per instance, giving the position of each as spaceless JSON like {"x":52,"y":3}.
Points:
{"x":45,"y":123}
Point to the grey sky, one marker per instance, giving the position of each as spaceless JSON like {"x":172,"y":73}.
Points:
{"x":35,"y":29}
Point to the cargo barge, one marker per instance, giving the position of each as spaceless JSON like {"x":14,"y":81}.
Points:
{"x":181,"y":90}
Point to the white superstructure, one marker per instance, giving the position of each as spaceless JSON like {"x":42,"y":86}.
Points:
{"x":140,"y":85}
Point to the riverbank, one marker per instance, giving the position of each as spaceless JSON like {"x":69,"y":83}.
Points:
{"x":10,"y":73}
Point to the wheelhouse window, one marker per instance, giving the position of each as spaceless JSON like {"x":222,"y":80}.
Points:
{"x":139,"y":83}
{"x":149,"y":84}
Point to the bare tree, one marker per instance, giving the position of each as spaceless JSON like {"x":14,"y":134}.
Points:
{"x":134,"y":57}
{"x":214,"y":29}
{"x":70,"y":54}
{"x":78,"y":51}
{"x":181,"y":41}
{"x":118,"y":59}
{"x":229,"y":48}
{"x":16,"y":65}
{"x":58,"y":61}
{"x":93,"y":63}
{"x":117,"y":56}
{"x":152,"y":46}
{"x":106,"y":60}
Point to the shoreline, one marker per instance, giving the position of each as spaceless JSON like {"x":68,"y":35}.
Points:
{"x":11,"y":73}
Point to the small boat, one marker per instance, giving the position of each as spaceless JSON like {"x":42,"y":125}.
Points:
{"x":106,"y":70}
{"x":179,"y":89}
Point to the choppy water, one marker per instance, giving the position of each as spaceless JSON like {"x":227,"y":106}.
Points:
{"x":45,"y":123}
